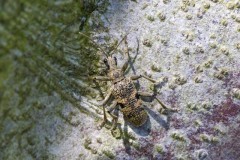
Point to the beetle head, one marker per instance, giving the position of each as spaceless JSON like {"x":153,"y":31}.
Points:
{"x":114,"y":72}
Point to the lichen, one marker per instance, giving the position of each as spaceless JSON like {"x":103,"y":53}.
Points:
{"x":198,"y":80}
{"x":116,"y":133}
{"x":206,"y":5}
{"x":156,"y":68}
{"x":87,"y":143}
{"x":186,"y":50}
{"x":178,"y":137}
{"x":43,"y":57}
{"x":147,"y":43}
{"x":47,"y":97}
{"x":109,"y":154}
{"x":150,"y":18}
{"x":236,"y":93}
{"x":161,"y":16}
{"x":159,"y":149}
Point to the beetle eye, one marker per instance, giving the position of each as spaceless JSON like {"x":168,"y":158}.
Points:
{"x":115,"y":60}
{"x":106,"y":62}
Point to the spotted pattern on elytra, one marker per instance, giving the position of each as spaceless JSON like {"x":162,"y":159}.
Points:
{"x":126,"y":94}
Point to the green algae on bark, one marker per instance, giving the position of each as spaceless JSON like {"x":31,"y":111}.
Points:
{"x":45,"y":64}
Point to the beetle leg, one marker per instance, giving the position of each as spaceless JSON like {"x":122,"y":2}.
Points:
{"x":147,"y":94}
{"x":136,"y":77}
{"x":165,"y":107}
{"x":104,"y":102}
{"x":112,"y":107}
{"x":104,"y":119}
{"x":115,"y":120}
{"x":101,"y":78}
{"x":114,"y":117}
{"x":125,"y":65}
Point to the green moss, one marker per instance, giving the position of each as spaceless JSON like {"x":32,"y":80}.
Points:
{"x":213,"y":45}
{"x":116,"y":133}
{"x":87,"y":143}
{"x":94,"y":151}
{"x":198,"y":122}
{"x":221,"y":73}
{"x":238,"y":28}
{"x":224,"y":22}
{"x":136,"y":145}
{"x":186,"y":51}
{"x":159,"y":149}
{"x":184,"y":8}
{"x":214,"y":140}
{"x":166,"y":1}
{"x":204,"y":137}
{"x":189,"y":16}
{"x":145,"y":5}
{"x":192,"y":107}
{"x":109,"y":154}
{"x":41,"y":55}
{"x":156,"y":68}
{"x":219,"y":130}
{"x":99,"y":140}
{"x":215,"y":1}
{"x":206,"y":105}
{"x":230,"y":5}
{"x":198,"y":80}
{"x":180,"y":80}
{"x":237,"y":19}
{"x":178,"y":137}
{"x":161,"y":16}
{"x":5,"y":69}
{"x":130,"y":135}
{"x":164,"y":42}
{"x":238,"y":46}
{"x":147,"y":43}
{"x":236,"y":93}
{"x":206,"y":5}
{"x":150,"y":18}
{"x":208,"y":63}
{"x":209,"y":139}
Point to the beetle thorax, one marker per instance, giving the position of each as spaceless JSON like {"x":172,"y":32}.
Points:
{"x":116,"y":75}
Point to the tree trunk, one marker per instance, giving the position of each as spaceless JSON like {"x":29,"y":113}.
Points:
{"x":47,"y":95}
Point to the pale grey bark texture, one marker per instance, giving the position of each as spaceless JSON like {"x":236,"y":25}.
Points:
{"x":47,"y":95}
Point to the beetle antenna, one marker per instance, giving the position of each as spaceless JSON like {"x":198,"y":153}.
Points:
{"x":118,"y":44}
{"x":94,"y":43}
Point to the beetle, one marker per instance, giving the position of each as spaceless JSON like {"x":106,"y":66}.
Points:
{"x":123,"y":91}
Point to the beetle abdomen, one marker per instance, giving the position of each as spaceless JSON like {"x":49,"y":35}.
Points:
{"x":126,"y":94}
{"x":135,"y":115}
{"x":124,"y":89}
